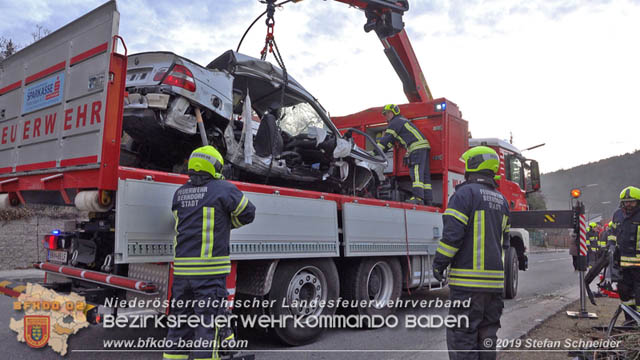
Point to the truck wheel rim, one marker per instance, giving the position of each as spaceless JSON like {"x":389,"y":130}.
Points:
{"x":380,"y":284}
{"x":307,"y":289}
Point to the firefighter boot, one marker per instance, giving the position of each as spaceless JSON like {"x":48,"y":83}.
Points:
{"x":226,"y":338}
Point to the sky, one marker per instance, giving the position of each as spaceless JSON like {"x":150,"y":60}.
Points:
{"x":561,"y":72}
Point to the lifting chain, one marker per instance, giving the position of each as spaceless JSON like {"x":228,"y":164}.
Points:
{"x":269,"y":40}
{"x":270,"y":45}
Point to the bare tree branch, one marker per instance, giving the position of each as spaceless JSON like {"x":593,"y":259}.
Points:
{"x":40,"y":32}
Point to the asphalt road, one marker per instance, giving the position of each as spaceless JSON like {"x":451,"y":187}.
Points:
{"x":549,"y":274}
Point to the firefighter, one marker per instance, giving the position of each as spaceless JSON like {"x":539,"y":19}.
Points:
{"x":476,"y":232}
{"x":418,"y":148}
{"x":573,"y":251}
{"x":592,"y":243}
{"x":610,"y":236}
{"x":602,"y":251}
{"x":205,"y":209}
{"x":602,"y":240}
{"x":626,"y":235}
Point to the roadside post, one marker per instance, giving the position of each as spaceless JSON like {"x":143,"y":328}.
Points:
{"x":581,"y":234}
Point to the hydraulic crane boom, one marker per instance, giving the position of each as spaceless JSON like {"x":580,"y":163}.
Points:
{"x":385,"y":18}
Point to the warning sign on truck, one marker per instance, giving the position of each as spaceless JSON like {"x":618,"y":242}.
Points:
{"x":43,"y":93}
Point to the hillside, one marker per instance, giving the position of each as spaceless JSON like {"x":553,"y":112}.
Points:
{"x":611,"y":176}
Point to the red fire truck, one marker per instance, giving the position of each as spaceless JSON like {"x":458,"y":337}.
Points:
{"x":61,"y":128}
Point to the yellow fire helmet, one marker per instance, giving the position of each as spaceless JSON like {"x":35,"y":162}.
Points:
{"x":391,"y":107}
{"x":481,"y":158}
{"x":630,"y":193}
{"x":207,"y":159}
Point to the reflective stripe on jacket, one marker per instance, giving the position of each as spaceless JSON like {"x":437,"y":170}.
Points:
{"x":205,"y":215}
{"x":403,"y":131}
{"x":476,"y":230}
{"x":592,"y":240}
{"x":602,"y":240}
{"x":627,"y":235}
{"x":604,"y":237}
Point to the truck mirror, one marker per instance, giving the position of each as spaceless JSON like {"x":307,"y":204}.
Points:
{"x":535,"y":176}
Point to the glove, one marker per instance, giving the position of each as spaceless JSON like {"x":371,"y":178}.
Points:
{"x":438,"y":272}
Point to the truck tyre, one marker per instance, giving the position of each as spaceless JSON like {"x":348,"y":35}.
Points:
{"x":302,"y":281}
{"x":373,"y":279}
{"x":510,"y":273}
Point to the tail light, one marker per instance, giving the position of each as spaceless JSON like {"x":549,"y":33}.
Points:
{"x":160,"y":74}
{"x":181,"y":77}
{"x":50,"y":242}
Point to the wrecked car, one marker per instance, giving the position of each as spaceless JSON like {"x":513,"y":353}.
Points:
{"x":269,"y":129}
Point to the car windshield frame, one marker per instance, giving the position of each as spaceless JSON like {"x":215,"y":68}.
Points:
{"x":241,"y":65}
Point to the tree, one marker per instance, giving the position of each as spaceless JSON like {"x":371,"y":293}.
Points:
{"x":7,"y":48}
{"x":536,"y":201}
{"x":40,"y":32}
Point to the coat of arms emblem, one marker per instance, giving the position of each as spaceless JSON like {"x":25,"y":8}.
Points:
{"x":36,"y":330}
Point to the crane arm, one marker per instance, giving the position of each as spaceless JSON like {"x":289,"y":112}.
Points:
{"x":385,"y":18}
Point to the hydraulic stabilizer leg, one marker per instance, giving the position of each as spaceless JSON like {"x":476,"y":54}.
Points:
{"x":601,"y":263}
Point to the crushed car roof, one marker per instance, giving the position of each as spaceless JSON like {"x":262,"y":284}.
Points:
{"x":241,"y":64}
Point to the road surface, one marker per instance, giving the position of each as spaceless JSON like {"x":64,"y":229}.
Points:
{"x":547,"y":285}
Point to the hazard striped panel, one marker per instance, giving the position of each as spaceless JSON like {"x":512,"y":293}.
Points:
{"x":11,"y":288}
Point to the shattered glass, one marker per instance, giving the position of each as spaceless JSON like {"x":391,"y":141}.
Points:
{"x":297,"y":119}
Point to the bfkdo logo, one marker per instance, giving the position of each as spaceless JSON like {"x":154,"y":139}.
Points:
{"x":36,"y":330}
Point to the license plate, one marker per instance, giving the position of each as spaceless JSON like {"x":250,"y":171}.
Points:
{"x":57,"y":256}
